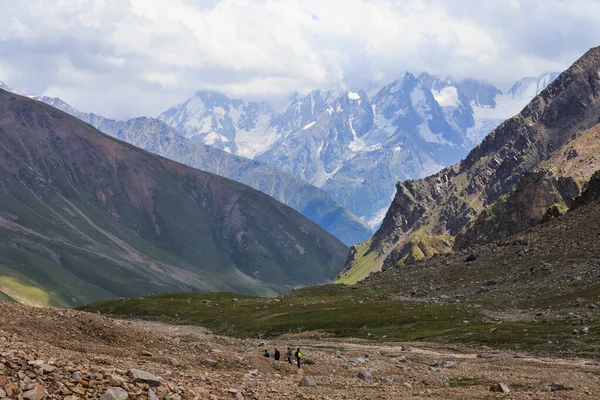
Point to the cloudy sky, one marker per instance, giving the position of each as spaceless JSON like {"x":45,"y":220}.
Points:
{"x":124,"y":58}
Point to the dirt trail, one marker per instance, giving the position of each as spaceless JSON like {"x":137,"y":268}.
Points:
{"x":101,"y":350}
{"x":177,"y":330}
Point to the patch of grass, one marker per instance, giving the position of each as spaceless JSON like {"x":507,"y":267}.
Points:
{"x":25,"y":291}
{"x":4,"y":296}
{"x":343,"y":312}
{"x":365,"y":263}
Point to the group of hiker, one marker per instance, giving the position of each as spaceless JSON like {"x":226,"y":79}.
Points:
{"x":289,"y":353}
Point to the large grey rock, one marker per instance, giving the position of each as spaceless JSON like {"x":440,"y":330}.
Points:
{"x":115,"y":393}
{"x":139,"y":376}
{"x":556,"y":386}
{"x":500,"y":388}
{"x":38,"y":392}
{"x":365,"y":375}
{"x":306,"y":381}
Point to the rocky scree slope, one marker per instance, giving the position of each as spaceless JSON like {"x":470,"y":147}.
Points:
{"x":427,"y":214}
{"x":84,"y":216}
{"x":158,"y":138}
{"x":70,"y":354}
{"x":541,"y":273}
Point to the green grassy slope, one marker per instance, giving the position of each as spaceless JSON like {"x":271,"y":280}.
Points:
{"x":346,"y":313}
{"x":85,"y":217}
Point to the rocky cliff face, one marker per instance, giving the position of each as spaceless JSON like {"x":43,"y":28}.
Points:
{"x":545,"y":192}
{"x":537,"y":194}
{"x":444,"y":204}
{"x":590,"y":194}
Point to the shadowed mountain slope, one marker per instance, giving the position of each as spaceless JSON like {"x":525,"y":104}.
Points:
{"x":84,"y":216}
{"x":156,"y":137}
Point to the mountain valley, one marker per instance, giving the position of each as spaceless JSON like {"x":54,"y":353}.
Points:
{"x":299,"y":200}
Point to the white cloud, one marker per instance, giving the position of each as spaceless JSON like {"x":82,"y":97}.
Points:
{"x":125,"y":58}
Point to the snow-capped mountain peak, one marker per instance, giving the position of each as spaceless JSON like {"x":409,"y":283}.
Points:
{"x":357,"y":143}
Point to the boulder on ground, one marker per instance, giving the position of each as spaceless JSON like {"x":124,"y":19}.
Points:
{"x":114,"y":393}
{"x":139,"y":376}
{"x":499,"y":388}
{"x":307,"y":382}
{"x":211,"y":363}
{"x":38,"y":392}
{"x":555,"y":386}
{"x":365,"y":375}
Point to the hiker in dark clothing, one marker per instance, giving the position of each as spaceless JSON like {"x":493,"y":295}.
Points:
{"x":276,"y":354}
{"x":266,"y":354}
{"x":298,"y":355}
{"x":289,"y":355}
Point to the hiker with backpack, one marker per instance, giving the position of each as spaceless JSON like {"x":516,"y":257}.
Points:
{"x":298,"y":355}
{"x":276,"y":354}
{"x":289,"y":355}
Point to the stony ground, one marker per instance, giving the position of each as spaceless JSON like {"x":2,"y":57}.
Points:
{"x":67,"y":354}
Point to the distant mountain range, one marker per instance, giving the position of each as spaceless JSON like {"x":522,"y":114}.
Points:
{"x":154,"y":136}
{"x":352,"y":145}
{"x":84,"y":217}
{"x":356,"y":144}
{"x":527,"y":170}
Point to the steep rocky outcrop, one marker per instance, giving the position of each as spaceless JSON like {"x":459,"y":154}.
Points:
{"x":545,"y":192}
{"x":84,"y":217}
{"x":525,"y":206}
{"x":444,"y":204}
{"x":590,"y":194}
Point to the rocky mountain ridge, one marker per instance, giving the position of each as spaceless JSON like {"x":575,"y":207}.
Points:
{"x":545,"y":192}
{"x":427,"y":214}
